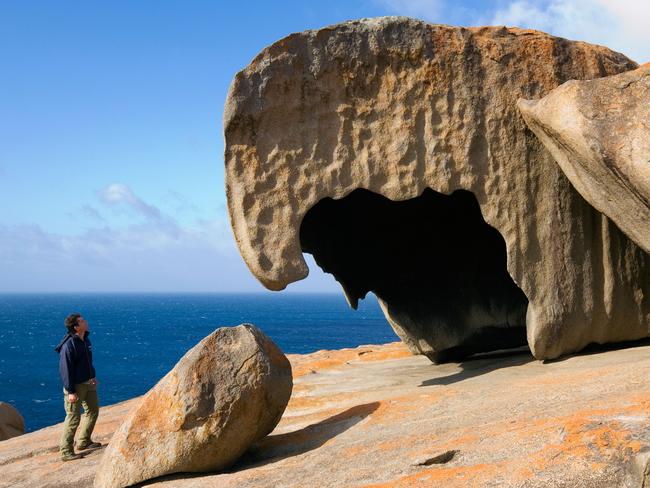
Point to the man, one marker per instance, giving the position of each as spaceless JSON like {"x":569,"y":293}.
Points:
{"x":79,"y":387}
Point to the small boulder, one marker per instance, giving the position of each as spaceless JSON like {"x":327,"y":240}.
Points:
{"x":227,"y":392}
{"x":11,"y":422}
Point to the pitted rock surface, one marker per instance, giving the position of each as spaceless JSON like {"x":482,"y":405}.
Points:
{"x":397,"y":106}
{"x":599,"y":133}
{"x":227,"y":392}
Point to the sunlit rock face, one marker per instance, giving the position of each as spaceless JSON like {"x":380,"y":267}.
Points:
{"x":362,"y":121}
{"x":599,"y":133}
{"x":12,"y":423}
{"x":225,"y":393}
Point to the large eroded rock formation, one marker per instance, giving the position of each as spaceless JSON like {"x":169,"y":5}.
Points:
{"x":461,"y":222}
{"x":599,"y":133}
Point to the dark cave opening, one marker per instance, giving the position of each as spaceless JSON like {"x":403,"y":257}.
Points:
{"x":437,"y":265}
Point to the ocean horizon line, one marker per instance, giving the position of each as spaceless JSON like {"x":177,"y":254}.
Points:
{"x":139,"y":337}
{"x":248,"y":292}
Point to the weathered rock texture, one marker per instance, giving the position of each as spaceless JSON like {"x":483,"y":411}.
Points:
{"x":391,"y":107}
{"x":376,"y":416}
{"x":599,"y":133}
{"x":11,"y":422}
{"x":227,"y":392}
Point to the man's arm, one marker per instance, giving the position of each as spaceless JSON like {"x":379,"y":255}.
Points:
{"x":66,"y":368}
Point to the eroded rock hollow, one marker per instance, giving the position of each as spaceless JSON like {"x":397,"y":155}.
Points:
{"x":408,"y":110}
{"x":437,"y":268}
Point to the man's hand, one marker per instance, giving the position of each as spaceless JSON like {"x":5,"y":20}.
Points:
{"x":72,"y":397}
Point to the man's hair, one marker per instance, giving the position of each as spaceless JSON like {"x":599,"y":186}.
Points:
{"x":71,"y":321}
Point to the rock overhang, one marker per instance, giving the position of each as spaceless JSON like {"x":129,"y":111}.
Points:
{"x":437,"y":268}
{"x":396,"y":106}
{"x":599,"y":133}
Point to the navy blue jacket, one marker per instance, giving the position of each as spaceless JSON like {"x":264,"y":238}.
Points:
{"x":76,"y":361}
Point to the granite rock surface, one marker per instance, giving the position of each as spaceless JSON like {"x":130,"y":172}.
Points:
{"x":393,"y":151}
{"x":12,"y":423}
{"x":227,"y":392}
{"x":376,"y":416}
{"x":599,"y":133}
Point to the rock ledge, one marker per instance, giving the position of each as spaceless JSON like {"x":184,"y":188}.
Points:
{"x":375,"y":416}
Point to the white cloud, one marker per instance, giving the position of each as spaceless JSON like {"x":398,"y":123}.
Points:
{"x":633,"y":15}
{"x":92,"y":213}
{"x":180,"y":203}
{"x":119,"y":193}
{"x":621,"y":25}
{"x":156,"y":253}
{"x":429,"y":10}
{"x":618,"y":24}
{"x":148,"y":256}
{"x":159,"y":230}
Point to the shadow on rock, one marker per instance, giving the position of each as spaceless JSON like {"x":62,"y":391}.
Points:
{"x":594,"y":348}
{"x":482,"y":364}
{"x":171,"y":477}
{"x":276,"y":447}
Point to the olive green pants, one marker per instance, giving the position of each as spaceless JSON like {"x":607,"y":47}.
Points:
{"x":87,"y":397}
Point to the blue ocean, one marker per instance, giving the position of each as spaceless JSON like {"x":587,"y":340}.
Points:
{"x":137,"y":338}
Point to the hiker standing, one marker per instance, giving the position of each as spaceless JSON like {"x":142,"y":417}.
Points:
{"x":79,"y":387}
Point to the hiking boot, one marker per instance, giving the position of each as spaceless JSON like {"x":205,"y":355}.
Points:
{"x":90,"y":445}
{"x":71,"y":457}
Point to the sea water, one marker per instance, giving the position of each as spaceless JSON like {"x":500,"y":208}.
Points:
{"x":137,"y":338}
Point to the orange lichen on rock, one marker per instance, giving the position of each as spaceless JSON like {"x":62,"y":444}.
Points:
{"x":569,"y":376}
{"x":400,"y":408}
{"x":472,"y":476}
{"x":312,"y":402}
{"x":587,"y":436}
{"x":405,"y":422}
{"x":587,"y":439}
{"x":325,"y":359}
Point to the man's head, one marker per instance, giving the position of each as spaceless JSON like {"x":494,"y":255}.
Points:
{"x":76,"y":324}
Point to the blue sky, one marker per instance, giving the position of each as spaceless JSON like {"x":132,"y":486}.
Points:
{"x":111,"y":147}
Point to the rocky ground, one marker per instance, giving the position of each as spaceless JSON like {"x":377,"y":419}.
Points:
{"x":376,"y":416}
